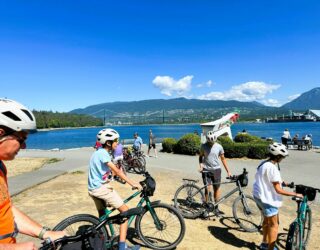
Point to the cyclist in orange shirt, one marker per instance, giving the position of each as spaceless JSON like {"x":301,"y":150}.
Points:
{"x":16,"y":121}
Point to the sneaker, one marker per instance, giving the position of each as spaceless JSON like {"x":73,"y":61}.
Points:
{"x":134,"y":247}
{"x":218,"y":212}
{"x":263,"y":246}
{"x":205,"y":215}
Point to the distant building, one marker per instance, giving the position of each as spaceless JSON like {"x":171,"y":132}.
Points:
{"x":315,"y":113}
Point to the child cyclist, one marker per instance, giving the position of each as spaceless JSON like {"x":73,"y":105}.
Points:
{"x":267,"y":192}
{"x":100,"y":188}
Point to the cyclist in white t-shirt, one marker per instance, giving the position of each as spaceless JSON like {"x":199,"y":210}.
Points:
{"x":267,"y":192}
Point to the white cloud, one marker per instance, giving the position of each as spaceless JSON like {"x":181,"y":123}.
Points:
{"x":206,"y":84}
{"x":169,"y":86}
{"x":271,"y":102}
{"x":292,"y":97}
{"x":249,"y":91}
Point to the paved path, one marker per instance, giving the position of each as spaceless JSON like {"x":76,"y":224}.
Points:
{"x":300,"y":167}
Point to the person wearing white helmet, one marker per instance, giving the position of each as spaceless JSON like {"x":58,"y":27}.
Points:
{"x":16,"y":122}
{"x":209,"y":166}
{"x":267,"y":192}
{"x":100,"y":175}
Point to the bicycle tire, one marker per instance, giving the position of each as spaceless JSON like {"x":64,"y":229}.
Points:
{"x":290,"y":236}
{"x":165,"y":238}
{"x":188,"y":200}
{"x":296,"y":238}
{"x":307,"y":226}
{"x":250,"y":221}
{"x":138,"y":166}
{"x":143,"y":160}
{"x":74,"y":223}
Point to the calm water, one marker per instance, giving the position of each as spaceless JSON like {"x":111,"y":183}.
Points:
{"x":85,"y":137}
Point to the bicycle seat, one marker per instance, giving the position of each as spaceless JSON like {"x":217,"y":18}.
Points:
{"x":191,"y":180}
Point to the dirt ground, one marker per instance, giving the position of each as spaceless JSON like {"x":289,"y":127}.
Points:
{"x":66,"y":195}
{"x":24,"y":165}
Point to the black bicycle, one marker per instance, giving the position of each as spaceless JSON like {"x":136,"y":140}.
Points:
{"x":91,"y":237}
{"x":190,"y":201}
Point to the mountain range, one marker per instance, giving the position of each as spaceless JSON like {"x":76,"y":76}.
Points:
{"x":192,"y":110}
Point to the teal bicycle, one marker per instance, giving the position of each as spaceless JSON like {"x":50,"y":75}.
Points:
{"x":300,"y":228}
{"x":159,"y":226}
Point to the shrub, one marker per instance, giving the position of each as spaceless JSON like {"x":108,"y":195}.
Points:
{"x":168,"y":144}
{"x":189,"y":144}
{"x":243,"y":137}
{"x":236,"y":150}
{"x":223,"y":140}
{"x":258,"y":151}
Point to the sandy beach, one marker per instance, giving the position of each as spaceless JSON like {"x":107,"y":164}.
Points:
{"x":65,"y":195}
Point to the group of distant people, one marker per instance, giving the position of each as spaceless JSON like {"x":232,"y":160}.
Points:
{"x":286,"y":139}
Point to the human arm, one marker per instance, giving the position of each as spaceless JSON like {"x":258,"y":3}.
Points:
{"x":281,"y":191}
{"x":224,"y":162}
{"x":19,"y":246}
{"x":30,"y":227}
{"x":201,"y":159}
{"x":119,"y":173}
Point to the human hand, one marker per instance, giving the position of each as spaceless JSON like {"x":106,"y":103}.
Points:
{"x":299,"y":195}
{"x":136,"y":186}
{"x":229,"y":174}
{"x":200,"y":167}
{"x":53,"y":235}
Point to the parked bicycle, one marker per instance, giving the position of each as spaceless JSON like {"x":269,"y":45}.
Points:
{"x":133,"y":161}
{"x":190,"y":201}
{"x":160,"y":226}
{"x":300,"y":228}
{"x":88,"y":237}
{"x":120,"y":166}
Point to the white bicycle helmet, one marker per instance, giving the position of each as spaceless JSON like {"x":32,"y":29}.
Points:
{"x":15,"y":116}
{"x":211,"y":137}
{"x":278,"y":149}
{"x":107,"y":134}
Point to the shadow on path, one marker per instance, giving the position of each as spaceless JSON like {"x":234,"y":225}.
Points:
{"x":229,"y":238}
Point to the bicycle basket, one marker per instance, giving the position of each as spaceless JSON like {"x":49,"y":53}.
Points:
{"x":150,"y":186}
{"x":310,"y":192}
{"x":243,"y":179}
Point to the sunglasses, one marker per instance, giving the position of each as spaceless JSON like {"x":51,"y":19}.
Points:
{"x":20,"y":139}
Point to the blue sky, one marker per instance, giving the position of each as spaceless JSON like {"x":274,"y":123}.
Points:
{"x":62,"y":55}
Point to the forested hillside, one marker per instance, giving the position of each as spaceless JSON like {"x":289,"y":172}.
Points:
{"x":47,"y":119}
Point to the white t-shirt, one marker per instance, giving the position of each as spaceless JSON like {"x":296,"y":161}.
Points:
{"x":286,"y":134}
{"x":263,"y":187}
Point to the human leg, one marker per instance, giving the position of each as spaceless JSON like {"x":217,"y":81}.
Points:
{"x":272,"y":232}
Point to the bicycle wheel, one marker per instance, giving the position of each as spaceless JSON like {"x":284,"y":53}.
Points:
{"x":307,"y":227}
{"x":75,"y":224}
{"x":165,"y":236}
{"x":296,"y":239}
{"x":247,"y":213}
{"x":188,"y":199}
{"x":138,"y":166}
{"x":143,"y":160}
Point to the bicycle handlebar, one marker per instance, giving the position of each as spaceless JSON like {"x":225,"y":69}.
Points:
{"x":235,"y":177}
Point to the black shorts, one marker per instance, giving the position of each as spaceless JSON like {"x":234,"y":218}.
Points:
{"x":153,"y":145}
{"x":212,"y":177}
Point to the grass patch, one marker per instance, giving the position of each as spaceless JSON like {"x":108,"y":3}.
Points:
{"x":53,"y":160}
{"x":77,"y":172}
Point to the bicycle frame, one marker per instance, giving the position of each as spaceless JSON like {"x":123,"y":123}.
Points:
{"x":148,"y":206}
{"x":226,"y":196}
{"x":301,"y":217}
